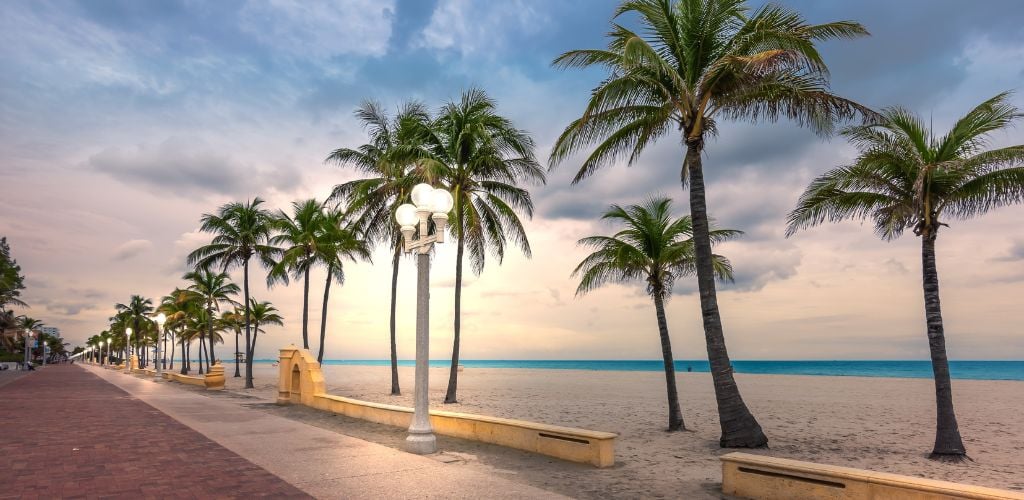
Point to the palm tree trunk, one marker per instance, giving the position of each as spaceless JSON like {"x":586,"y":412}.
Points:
{"x":202,"y":351}
{"x":323,"y":316}
{"x":675,"y":415}
{"x":305,"y":311}
{"x":453,"y":374}
{"x":171,"y":366}
{"x":185,"y":362}
{"x":739,"y":427}
{"x":238,"y":373}
{"x":249,"y":347}
{"x":948,"y":444}
{"x":395,"y":389}
{"x":209,"y":327}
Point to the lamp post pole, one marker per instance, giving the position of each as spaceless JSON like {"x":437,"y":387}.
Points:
{"x":427,"y":200}
{"x":127,"y":350}
{"x":160,"y":320}
{"x":28,"y":347}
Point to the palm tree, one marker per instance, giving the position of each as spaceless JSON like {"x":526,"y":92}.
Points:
{"x":654,"y":247}
{"x":27,"y":324}
{"x":906,"y":177}
{"x":338,"y":242}
{"x":11,"y":279}
{"x":693,"y":63}
{"x":387,"y":158}
{"x":176,"y":307}
{"x":137,"y":311}
{"x":482,"y":158}
{"x":261,"y":313}
{"x":234,"y":321}
{"x":298,"y":236}
{"x":211,"y":289}
{"x":242,"y":231}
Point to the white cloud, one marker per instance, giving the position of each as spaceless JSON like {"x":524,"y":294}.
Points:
{"x":321,"y":30}
{"x":469,"y":27}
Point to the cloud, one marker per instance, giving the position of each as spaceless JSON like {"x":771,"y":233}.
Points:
{"x":470,"y":27}
{"x":321,"y":30}
{"x":131,"y":248}
{"x":1014,"y":254}
{"x":188,"y":167}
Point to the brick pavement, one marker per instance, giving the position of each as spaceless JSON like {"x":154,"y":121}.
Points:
{"x":67,"y":433}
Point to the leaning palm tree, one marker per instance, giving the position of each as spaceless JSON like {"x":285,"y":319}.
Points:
{"x":338,"y":242}
{"x":261,"y":313}
{"x":657,"y":248}
{"x":906,"y":177}
{"x":693,"y":63}
{"x":212,"y":290}
{"x":482,"y":159}
{"x":392,"y":149}
{"x":299,"y":237}
{"x":241,"y":232}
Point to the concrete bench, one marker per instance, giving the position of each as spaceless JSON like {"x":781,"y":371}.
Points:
{"x":301,"y":382}
{"x":213,"y":380}
{"x":759,"y":477}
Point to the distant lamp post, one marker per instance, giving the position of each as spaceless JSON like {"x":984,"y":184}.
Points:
{"x":160,"y":320}
{"x":127,"y":349}
{"x":105,"y":342}
{"x":27,"y":334}
{"x":429,"y":204}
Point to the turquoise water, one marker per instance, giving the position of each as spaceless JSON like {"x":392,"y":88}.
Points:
{"x":974,"y":370}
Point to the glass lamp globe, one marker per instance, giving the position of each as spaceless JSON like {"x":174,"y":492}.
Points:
{"x":160,"y":319}
{"x":421,"y":195}
{"x":405,"y":215}
{"x":127,"y":331}
{"x":441,"y":201}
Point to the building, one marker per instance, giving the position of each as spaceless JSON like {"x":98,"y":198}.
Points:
{"x":52,"y":331}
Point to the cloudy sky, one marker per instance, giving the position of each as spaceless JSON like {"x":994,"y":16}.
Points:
{"x":122,"y":122}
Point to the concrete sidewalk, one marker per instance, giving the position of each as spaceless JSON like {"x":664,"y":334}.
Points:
{"x":320,"y":462}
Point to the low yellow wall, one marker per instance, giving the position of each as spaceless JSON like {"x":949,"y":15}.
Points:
{"x":213,"y":380}
{"x":758,"y":477}
{"x":301,"y":382}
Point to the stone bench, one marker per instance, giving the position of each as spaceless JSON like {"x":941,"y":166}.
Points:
{"x":759,"y":477}
{"x":212,"y":380}
{"x":301,"y":382}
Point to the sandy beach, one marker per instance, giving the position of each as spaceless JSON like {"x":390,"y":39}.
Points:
{"x":882,"y":424}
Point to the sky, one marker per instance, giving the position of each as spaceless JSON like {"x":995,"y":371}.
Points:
{"x":122,"y":122}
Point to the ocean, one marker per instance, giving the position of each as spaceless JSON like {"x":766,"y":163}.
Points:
{"x":969,"y":370}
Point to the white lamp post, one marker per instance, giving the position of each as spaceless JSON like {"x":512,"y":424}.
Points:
{"x":160,"y":320}
{"x":28,"y":347}
{"x":433,"y":204}
{"x":105,"y":342}
{"x":127,"y":350}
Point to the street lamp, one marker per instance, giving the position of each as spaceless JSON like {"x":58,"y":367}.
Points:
{"x":433,"y":204}
{"x":105,"y":342}
{"x":28,"y":335}
{"x":127,"y":351}
{"x":160,"y":320}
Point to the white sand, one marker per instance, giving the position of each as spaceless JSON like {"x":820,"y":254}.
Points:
{"x":882,"y":424}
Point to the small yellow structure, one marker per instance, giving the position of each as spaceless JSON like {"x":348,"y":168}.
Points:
{"x":302,"y":382}
{"x":758,"y":477}
{"x":213,"y":380}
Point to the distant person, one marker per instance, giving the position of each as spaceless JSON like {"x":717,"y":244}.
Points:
{"x":689,"y":368}
{"x":30,"y":367}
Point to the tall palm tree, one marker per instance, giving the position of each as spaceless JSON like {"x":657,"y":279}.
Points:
{"x":175,"y":307}
{"x":261,"y":313}
{"x":299,"y":236}
{"x":338,"y":242}
{"x":482,"y":159}
{"x":693,"y":63}
{"x":234,"y":321}
{"x":137,"y":310}
{"x":387,"y":158}
{"x":655,"y":247}
{"x":212,"y":289}
{"x":241,"y":232}
{"x":907,"y":177}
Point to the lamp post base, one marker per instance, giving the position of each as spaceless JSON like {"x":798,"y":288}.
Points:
{"x":421,"y":444}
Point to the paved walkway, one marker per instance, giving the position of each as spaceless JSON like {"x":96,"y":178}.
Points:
{"x":320,"y":462}
{"x":68,"y":434}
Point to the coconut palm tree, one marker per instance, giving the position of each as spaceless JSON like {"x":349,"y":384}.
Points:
{"x":212,"y":290}
{"x":137,"y":310}
{"x":907,"y":177}
{"x":299,"y":236}
{"x":657,"y":248}
{"x":241,"y":232}
{"x":233,"y":321}
{"x":338,"y":242}
{"x":387,"y":158}
{"x":261,"y":313}
{"x":12,"y":282}
{"x":482,"y":159}
{"x":693,"y":63}
{"x":175,"y":307}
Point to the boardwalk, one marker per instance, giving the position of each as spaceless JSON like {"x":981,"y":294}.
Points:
{"x":68,"y":433}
